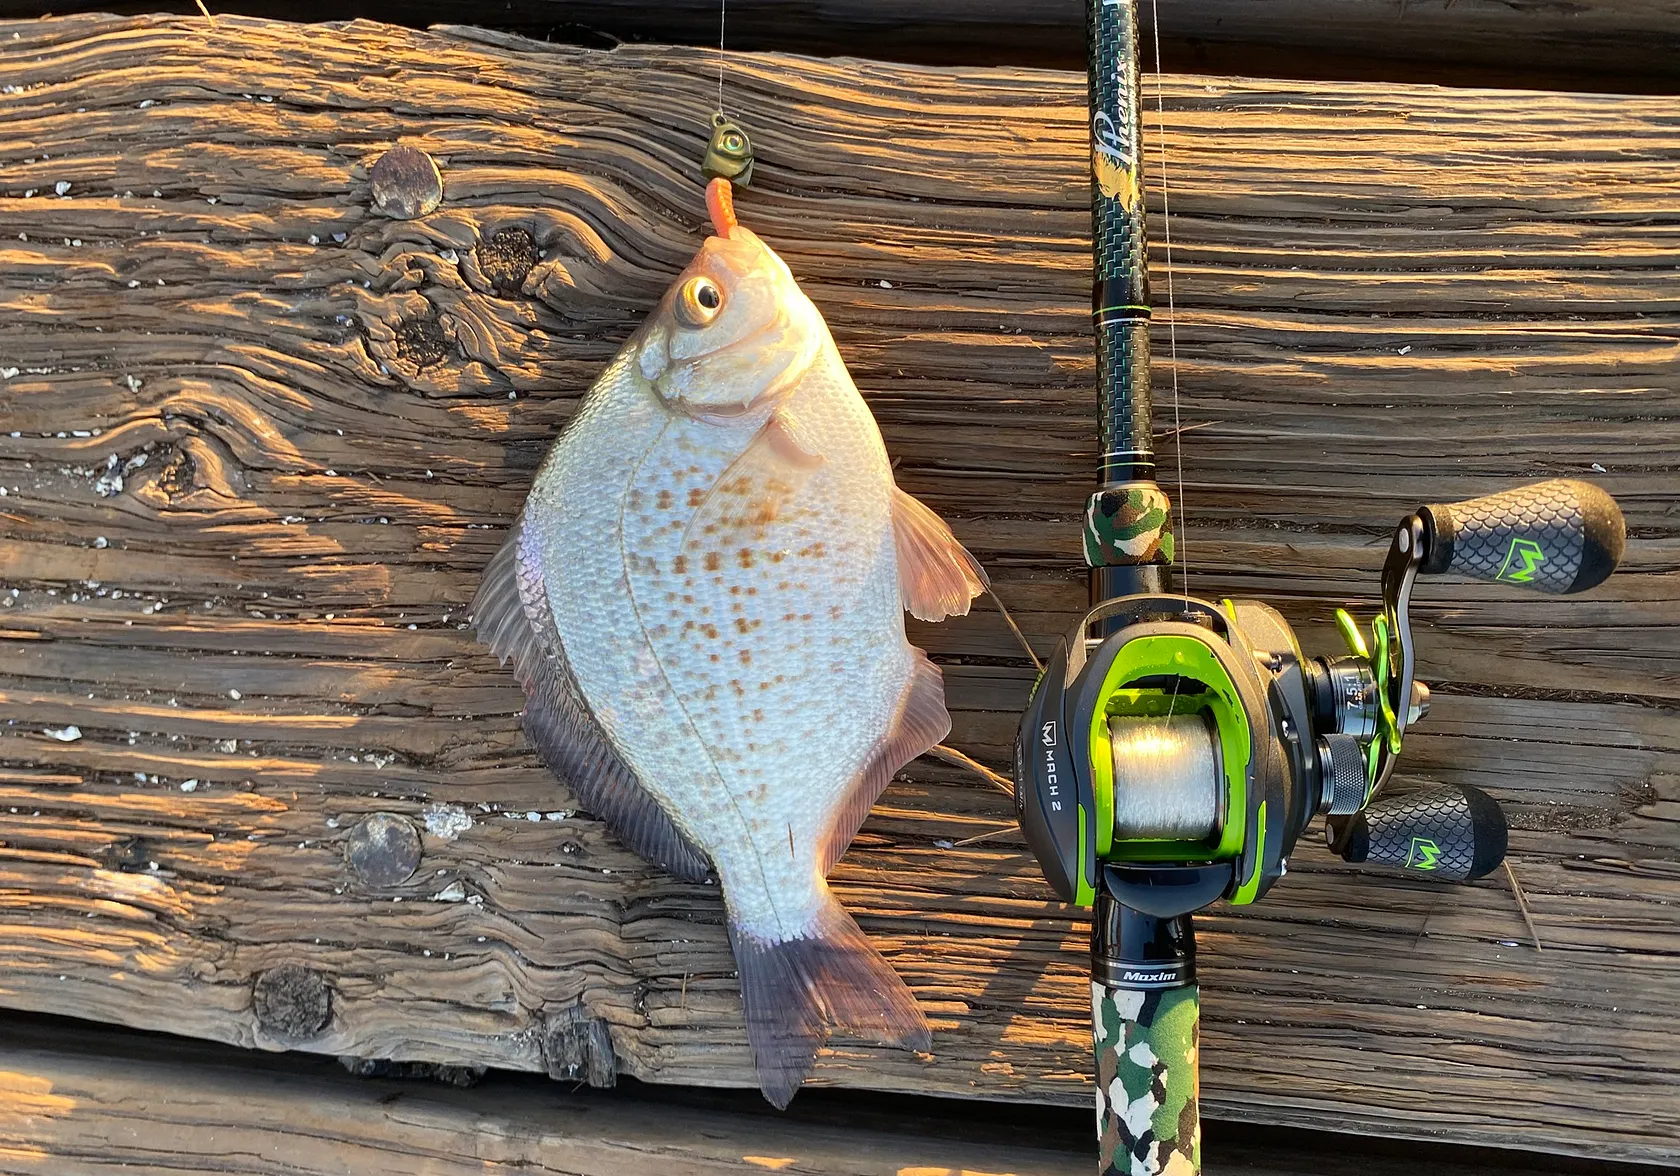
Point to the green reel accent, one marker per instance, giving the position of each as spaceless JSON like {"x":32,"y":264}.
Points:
{"x":1251,"y":885}
{"x":1349,"y":629}
{"x":1184,"y":658}
{"x":1382,"y":667}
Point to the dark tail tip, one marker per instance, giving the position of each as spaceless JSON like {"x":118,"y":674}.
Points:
{"x":795,"y":990}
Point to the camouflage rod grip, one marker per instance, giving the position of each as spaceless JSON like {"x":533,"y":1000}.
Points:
{"x":1147,"y":1084}
{"x":1454,"y":833}
{"x":1558,"y":536}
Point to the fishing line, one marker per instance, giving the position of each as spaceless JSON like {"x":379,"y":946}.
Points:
{"x":1172,"y":316}
{"x":1172,"y":306}
{"x":723,"y":12}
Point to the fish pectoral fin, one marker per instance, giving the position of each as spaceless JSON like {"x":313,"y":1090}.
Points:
{"x":756,"y":488}
{"x":937,"y":576}
{"x":922,"y":721}
{"x":788,"y":436}
{"x":510,"y":614}
{"x":794,"y":990}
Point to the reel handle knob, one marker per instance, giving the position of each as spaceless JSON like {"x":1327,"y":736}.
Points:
{"x":1453,"y":833}
{"x":1558,"y":536}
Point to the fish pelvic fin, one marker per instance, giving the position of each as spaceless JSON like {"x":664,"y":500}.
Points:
{"x":937,"y":577}
{"x":921,"y":723}
{"x":510,"y":614}
{"x":795,"y":990}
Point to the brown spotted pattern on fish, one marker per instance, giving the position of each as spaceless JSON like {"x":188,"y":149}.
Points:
{"x":704,"y":600}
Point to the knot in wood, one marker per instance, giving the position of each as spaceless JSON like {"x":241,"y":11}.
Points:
{"x":292,"y":1001}
{"x":406,"y":183}
{"x":383,"y":849}
{"x":507,"y":258}
{"x":577,"y":1047}
{"x":422,"y":342}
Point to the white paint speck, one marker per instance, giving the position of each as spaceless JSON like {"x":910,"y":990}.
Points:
{"x":445,"y":821}
{"x":62,"y":187}
{"x":64,"y":734}
{"x":235,"y":695}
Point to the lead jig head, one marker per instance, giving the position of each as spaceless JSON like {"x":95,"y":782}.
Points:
{"x":729,"y":154}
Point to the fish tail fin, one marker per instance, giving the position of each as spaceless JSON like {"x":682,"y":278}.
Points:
{"x":795,"y":990}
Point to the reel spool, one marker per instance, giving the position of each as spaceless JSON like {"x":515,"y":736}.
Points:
{"x":1166,"y":777}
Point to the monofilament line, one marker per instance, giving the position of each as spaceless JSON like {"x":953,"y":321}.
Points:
{"x":723,"y":11}
{"x":1172,"y":306}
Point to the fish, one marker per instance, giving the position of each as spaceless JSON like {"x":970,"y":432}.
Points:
{"x":704,"y":598}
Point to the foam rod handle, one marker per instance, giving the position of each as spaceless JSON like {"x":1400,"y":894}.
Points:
{"x":1557,"y":536}
{"x":1453,"y":833}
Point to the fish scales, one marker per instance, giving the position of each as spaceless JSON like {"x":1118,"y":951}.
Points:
{"x":752,"y":646}
{"x":704,"y":600}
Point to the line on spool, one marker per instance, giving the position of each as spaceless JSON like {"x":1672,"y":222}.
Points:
{"x":1167,"y":773}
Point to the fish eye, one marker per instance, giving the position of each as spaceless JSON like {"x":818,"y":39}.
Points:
{"x":699,"y":301}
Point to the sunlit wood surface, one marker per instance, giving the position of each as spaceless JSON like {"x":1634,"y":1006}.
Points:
{"x":1385,"y":296}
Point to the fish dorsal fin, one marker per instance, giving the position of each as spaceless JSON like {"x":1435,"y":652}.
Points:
{"x":758,"y":486}
{"x":922,"y":721}
{"x":558,"y":718}
{"x":937,"y":577}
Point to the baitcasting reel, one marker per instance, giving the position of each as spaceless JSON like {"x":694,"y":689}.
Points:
{"x":1176,"y":760}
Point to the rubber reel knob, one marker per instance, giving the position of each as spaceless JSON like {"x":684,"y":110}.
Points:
{"x":1454,"y":833}
{"x":1341,"y":763}
{"x":1556,"y":536}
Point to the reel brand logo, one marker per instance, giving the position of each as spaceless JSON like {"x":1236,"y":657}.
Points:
{"x":1424,"y":855}
{"x":1052,"y":787}
{"x":1521,"y":562}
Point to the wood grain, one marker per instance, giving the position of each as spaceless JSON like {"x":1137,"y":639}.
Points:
{"x":1384,"y":296}
{"x":1616,"y":46}
{"x":86,"y":1101}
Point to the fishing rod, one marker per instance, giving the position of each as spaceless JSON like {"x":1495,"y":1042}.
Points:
{"x":1176,"y":749}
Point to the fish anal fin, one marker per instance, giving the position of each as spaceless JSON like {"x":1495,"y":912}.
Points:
{"x":558,"y":718}
{"x":922,"y":722}
{"x":498,"y":613}
{"x":756,"y":488}
{"x":794,"y":990}
{"x":937,"y":577}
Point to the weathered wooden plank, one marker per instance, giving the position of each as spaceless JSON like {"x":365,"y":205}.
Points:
{"x":86,"y":1101}
{"x":1384,"y":296}
{"x":1618,"y":46}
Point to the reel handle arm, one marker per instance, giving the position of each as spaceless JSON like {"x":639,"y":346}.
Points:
{"x":1453,"y":833}
{"x":1558,"y":537}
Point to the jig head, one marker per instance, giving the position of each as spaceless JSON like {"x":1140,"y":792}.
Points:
{"x":729,"y":153}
